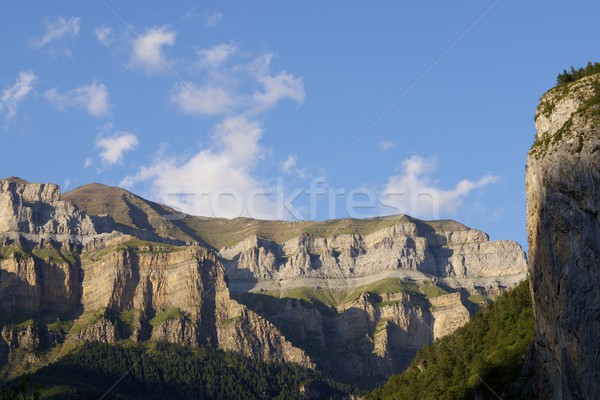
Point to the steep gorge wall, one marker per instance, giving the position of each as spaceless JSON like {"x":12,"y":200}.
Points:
{"x":563,"y":224}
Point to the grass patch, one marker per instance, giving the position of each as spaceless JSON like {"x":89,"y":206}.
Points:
{"x":55,"y":256}
{"x":385,"y":286}
{"x":431,"y":291}
{"x":12,"y":251}
{"x":330,"y":298}
{"x":220,"y":232}
{"x":479,"y":299}
{"x":134,"y":245}
{"x":25,"y":324}
{"x":169,"y":313}
{"x":86,"y":320}
{"x":60,"y":325}
{"x":127,"y":317}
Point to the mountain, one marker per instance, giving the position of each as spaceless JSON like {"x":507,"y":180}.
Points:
{"x":355,"y":299}
{"x":480,"y":360}
{"x":488,"y":357}
{"x":563,"y":192}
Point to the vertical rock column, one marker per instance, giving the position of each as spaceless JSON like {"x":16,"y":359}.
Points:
{"x":563,"y":202}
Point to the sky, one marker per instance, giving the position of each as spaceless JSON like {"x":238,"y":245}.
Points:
{"x":281,"y":110}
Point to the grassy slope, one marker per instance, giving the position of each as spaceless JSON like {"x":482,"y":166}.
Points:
{"x":130,"y":210}
{"x":490,"y":349}
{"x":335,"y":297}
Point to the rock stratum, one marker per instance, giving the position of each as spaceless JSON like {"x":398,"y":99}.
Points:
{"x":353,"y":298}
{"x":563,"y":192}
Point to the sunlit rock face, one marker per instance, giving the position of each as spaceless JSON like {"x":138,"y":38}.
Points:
{"x":563,"y":201}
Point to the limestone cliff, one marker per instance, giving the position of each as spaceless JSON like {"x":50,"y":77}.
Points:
{"x":62,"y":282}
{"x":363,"y":304}
{"x":563,"y":193}
{"x":354,"y":298}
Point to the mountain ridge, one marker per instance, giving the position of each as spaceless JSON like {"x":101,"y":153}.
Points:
{"x":352,"y":298}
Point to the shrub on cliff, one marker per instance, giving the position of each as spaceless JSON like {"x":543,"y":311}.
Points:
{"x":574,"y":74}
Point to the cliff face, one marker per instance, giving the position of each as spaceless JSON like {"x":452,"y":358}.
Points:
{"x":363,"y":305}
{"x":62,"y":282}
{"x":354,"y":298}
{"x":563,"y":193}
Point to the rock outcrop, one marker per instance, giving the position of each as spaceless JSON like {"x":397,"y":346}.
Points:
{"x":36,"y":208}
{"x":56,"y":269}
{"x":356,"y":299}
{"x":363,"y":305}
{"x":563,"y":205}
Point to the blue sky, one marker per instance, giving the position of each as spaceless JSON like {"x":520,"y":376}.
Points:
{"x":239,"y":108}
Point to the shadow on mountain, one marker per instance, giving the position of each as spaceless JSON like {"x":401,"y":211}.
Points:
{"x":343,"y":344}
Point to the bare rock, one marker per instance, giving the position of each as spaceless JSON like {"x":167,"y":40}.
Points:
{"x":563,"y":193}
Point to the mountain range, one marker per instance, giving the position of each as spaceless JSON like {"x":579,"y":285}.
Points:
{"x":353,"y":299}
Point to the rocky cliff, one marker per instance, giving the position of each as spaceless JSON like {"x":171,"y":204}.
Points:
{"x":354,"y":298}
{"x":362,"y":304}
{"x":563,"y":192}
{"x":62,"y":282}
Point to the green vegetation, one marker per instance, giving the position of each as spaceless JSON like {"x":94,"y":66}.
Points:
{"x":12,"y":251}
{"x":431,"y":291}
{"x":590,"y":107}
{"x":574,"y":74}
{"x":86,"y":320}
{"x":168,"y":371}
{"x":220,"y":233}
{"x":60,"y":325}
{"x":128,"y":317}
{"x":490,"y":349}
{"x":479,"y":299}
{"x":169,"y":313}
{"x":21,"y":390}
{"x":332,"y":298}
{"x":53,"y":255}
{"x":144,"y":246}
{"x":133,"y":245}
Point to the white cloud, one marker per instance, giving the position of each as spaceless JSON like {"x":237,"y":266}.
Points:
{"x":93,"y":98}
{"x":413,"y":192}
{"x":14,"y":95}
{"x":214,"y":182}
{"x":289,"y":163}
{"x":216,"y":55}
{"x":114,"y":147}
{"x":386,"y":145}
{"x":279,"y":87}
{"x":213,"y":20}
{"x":192,"y":99}
{"x":148,"y":49}
{"x":221,"y":180}
{"x":247,"y":87}
{"x":88,"y":162}
{"x":57,"y":30}
{"x":104,"y":35}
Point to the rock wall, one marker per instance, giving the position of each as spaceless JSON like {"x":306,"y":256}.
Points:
{"x":92,"y":279}
{"x":563,"y":202}
{"x":55,"y":267}
{"x":410,"y":248}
